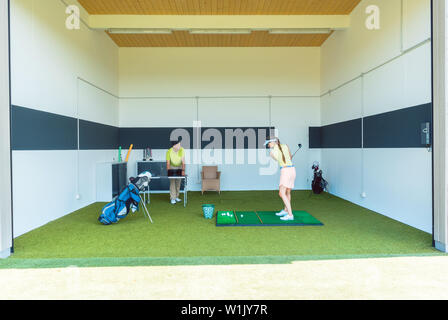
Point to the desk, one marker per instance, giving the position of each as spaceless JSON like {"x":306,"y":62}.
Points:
{"x":160,"y":181}
{"x":148,"y":191}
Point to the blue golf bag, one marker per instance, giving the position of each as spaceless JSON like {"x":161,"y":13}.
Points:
{"x":128,"y":200}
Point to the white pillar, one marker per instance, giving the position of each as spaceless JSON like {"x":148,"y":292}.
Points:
{"x":440,"y":54}
{"x":5,"y":153}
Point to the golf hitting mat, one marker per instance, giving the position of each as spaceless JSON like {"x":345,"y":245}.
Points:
{"x":263,"y":218}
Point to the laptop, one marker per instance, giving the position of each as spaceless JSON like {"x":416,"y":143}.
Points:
{"x":175,"y":173}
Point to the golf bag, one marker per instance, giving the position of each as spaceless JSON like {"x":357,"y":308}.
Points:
{"x":319,"y":184}
{"x":128,"y":200}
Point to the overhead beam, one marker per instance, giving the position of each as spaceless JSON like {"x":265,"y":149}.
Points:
{"x":186,"y":22}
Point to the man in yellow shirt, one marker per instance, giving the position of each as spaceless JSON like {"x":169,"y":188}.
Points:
{"x":175,"y":160}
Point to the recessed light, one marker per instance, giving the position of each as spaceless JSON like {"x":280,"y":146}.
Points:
{"x":140,"y":31}
{"x":220,"y":31}
{"x":300,"y":31}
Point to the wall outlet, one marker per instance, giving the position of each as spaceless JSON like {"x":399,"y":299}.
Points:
{"x":363,"y":195}
{"x":78,"y":197}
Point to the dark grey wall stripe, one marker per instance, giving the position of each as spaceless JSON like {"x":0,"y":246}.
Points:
{"x":342,"y":135}
{"x":96,"y":136}
{"x":159,"y":138}
{"x":235,"y":137}
{"x":396,"y":129}
{"x":154,"y":138}
{"x":315,"y":137}
{"x":38,"y":130}
{"x":339,"y":135}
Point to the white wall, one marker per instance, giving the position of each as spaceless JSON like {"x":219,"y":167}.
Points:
{"x":397,"y":182}
{"x":167,"y":72}
{"x":68,"y":72}
{"x":233,"y":84}
{"x":5,"y":155}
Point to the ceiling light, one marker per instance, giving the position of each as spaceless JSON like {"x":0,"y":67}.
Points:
{"x":220,"y":31}
{"x":140,"y":31}
{"x":300,"y":31}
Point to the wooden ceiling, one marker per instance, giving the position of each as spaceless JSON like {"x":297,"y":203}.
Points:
{"x":220,"y":7}
{"x":185,"y":39}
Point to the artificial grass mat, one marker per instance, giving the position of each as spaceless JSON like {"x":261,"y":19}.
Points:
{"x":263,"y":219}
{"x":183,"y":236}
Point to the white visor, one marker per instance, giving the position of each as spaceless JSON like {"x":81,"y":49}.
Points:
{"x":269,"y":141}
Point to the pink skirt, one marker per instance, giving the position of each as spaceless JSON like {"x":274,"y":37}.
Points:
{"x":287,"y":177}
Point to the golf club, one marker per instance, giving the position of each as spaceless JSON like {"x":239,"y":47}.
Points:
{"x":300,"y":147}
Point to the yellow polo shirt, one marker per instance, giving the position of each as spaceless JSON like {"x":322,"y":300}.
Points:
{"x":278,"y":155}
{"x":175,"y":158}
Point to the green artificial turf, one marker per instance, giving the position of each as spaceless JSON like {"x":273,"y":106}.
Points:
{"x":226,"y":217}
{"x":300,"y":218}
{"x":247,"y":217}
{"x":183,"y":236}
{"x":263,"y":219}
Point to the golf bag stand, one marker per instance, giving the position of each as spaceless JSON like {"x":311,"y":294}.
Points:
{"x":128,"y":200}
{"x":142,"y":182}
{"x":319,"y":184}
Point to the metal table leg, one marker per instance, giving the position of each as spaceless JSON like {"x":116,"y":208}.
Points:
{"x":185,"y":192}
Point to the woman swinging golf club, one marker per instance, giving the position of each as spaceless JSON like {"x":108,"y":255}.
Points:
{"x":282,"y":154}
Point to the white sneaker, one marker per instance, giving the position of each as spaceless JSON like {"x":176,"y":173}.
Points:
{"x":173,"y":201}
{"x":178,"y":200}
{"x":281,"y":213}
{"x":287,"y":218}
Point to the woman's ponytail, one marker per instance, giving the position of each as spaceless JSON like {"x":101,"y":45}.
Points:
{"x":281,"y":150}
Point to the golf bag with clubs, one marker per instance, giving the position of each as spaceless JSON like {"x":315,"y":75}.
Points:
{"x":128,"y":200}
{"x":319,"y":184}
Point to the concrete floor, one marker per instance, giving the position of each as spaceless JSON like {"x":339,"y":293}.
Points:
{"x":385,"y":278}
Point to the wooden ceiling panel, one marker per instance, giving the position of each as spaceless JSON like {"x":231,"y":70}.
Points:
{"x":185,"y":39}
{"x":220,"y":7}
